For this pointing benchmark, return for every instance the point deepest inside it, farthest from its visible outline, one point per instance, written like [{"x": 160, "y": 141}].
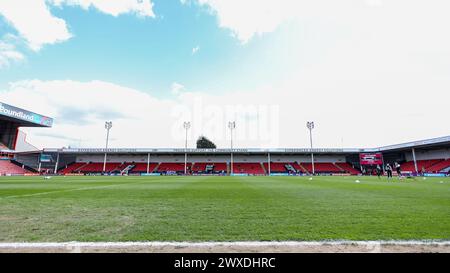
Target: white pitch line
[
  {"x": 215, "y": 244},
  {"x": 69, "y": 190}
]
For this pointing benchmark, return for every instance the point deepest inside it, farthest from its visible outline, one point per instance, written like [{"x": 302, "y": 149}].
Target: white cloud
[
  {"x": 81, "y": 108},
  {"x": 34, "y": 22},
  {"x": 114, "y": 7},
  {"x": 251, "y": 17},
  {"x": 177, "y": 88},
  {"x": 9, "y": 54},
  {"x": 369, "y": 73},
  {"x": 195, "y": 50},
  {"x": 267, "y": 117},
  {"x": 38, "y": 26}
]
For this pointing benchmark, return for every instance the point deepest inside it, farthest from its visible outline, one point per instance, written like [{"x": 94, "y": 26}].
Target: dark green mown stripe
[{"x": 222, "y": 209}]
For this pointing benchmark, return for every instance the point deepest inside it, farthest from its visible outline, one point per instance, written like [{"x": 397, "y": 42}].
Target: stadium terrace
[{"x": 426, "y": 157}]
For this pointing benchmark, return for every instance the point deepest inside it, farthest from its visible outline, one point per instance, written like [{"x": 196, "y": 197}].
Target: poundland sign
[{"x": 14, "y": 112}]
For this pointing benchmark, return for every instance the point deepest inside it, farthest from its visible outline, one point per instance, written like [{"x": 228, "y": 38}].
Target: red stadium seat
[
  {"x": 321, "y": 167},
  {"x": 248, "y": 168},
  {"x": 173, "y": 167},
  {"x": 6, "y": 167},
  {"x": 97, "y": 167},
  {"x": 421, "y": 164},
  {"x": 201, "y": 167},
  {"x": 439, "y": 166},
  {"x": 142, "y": 167},
  {"x": 71, "y": 168},
  {"x": 347, "y": 168},
  {"x": 278, "y": 167}
]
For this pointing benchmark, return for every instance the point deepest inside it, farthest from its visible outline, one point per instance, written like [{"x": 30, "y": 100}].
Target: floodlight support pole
[
  {"x": 186, "y": 126},
  {"x": 231, "y": 167},
  {"x": 310, "y": 126},
  {"x": 185, "y": 154},
  {"x": 39, "y": 167},
  {"x": 148, "y": 163},
  {"x": 108, "y": 126},
  {"x": 231, "y": 125},
  {"x": 415, "y": 161},
  {"x": 57, "y": 163},
  {"x": 312, "y": 152}
]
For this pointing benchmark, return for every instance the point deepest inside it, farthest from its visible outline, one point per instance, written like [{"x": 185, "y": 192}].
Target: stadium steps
[
  {"x": 7, "y": 167},
  {"x": 297, "y": 167},
  {"x": 303, "y": 168},
  {"x": 337, "y": 166},
  {"x": 21, "y": 165},
  {"x": 120, "y": 168},
  {"x": 81, "y": 167},
  {"x": 155, "y": 168},
  {"x": 127, "y": 169},
  {"x": 440, "y": 166},
  {"x": 421, "y": 164},
  {"x": 264, "y": 168},
  {"x": 290, "y": 168},
  {"x": 347, "y": 168}
]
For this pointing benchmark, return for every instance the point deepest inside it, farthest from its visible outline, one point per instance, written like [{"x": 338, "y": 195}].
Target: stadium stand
[
  {"x": 278, "y": 167},
  {"x": 299, "y": 168},
  {"x": 440, "y": 166},
  {"x": 9, "y": 168},
  {"x": 346, "y": 167},
  {"x": 421, "y": 164},
  {"x": 220, "y": 167},
  {"x": 321, "y": 167},
  {"x": 142, "y": 167},
  {"x": 210, "y": 167},
  {"x": 200, "y": 166},
  {"x": 95, "y": 167},
  {"x": 248, "y": 168},
  {"x": 254, "y": 168},
  {"x": 72, "y": 168},
  {"x": 172, "y": 167}
]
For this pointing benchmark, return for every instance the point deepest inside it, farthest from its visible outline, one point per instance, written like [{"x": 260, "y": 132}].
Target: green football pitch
[{"x": 63, "y": 209}]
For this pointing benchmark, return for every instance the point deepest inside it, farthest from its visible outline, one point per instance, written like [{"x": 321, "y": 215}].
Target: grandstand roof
[
  {"x": 23, "y": 118},
  {"x": 433, "y": 142},
  {"x": 429, "y": 143}
]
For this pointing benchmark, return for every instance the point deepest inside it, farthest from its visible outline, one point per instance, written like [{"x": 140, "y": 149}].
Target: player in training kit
[
  {"x": 389, "y": 170},
  {"x": 378, "y": 171},
  {"x": 398, "y": 169}
]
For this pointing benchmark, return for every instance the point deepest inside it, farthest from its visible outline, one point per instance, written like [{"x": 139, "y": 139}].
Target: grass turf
[{"x": 222, "y": 209}]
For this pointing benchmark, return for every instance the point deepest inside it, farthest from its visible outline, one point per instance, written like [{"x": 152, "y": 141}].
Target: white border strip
[{"x": 213, "y": 244}]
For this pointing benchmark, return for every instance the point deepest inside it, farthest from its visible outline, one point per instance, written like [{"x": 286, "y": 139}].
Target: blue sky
[
  {"x": 151, "y": 53},
  {"x": 270, "y": 65}
]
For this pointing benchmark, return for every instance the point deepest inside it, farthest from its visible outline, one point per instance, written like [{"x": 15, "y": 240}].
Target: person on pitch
[
  {"x": 379, "y": 171},
  {"x": 398, "y": 169},
  {"x": 389, "y": 170}
]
